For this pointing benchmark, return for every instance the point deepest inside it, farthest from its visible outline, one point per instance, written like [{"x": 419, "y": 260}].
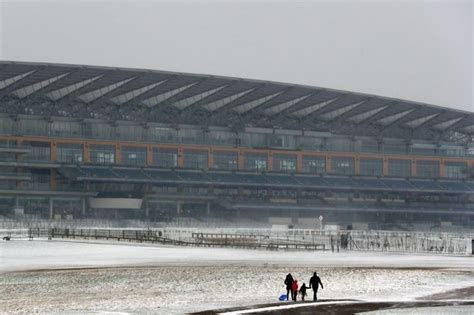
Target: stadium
[{"x": 81, "y": 142}]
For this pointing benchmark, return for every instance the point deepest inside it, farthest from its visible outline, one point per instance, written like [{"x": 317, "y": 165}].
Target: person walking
[
  {"x": 303, "y": 291},
  {"x": 289, "y": 285},
  {"x": 294, "y": 290},
  {"x": 314, "y": 283}
]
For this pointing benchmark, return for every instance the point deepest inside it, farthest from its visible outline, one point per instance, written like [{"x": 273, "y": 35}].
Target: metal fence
[{"x": 291, "y": 239}]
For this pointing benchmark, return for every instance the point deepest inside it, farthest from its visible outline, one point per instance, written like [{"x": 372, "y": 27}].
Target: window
[
  {"x": 371, "y": 167},
  {"x": 40, "y": 180},
  {"x": 399, "y": 168},
  {"x": 65, "y": 129},
  {"x": 162, "y": 134},
  {"x": 164, "y": 157},
  {"x": 129, "y": 132},
  {"x": 218, "y": 137},
  {"x": 314, "y": 164},
  {"x": 36, "y": 127},
  {"x": 225, "y": 160},
  {"x": 195, "y": 159},
  {"x": 340, "y": 144},
  {"x": 427, "y": 168},
  {"x": 69, "y": 152},
  {"x": 342, "y": 165},
  {"x": 133, "y": 156},
  {"x": 191, "y": 135},
  {"x": 255, "y": 161},
  {"x": 455, "y": 170},
  {"x": 284, "y": 163},
  {"x": 102, "y": 154},
  {"x": 39, "y": 151}
]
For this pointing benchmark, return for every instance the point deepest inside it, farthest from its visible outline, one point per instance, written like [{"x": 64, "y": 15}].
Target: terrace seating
[
  {"x": 130, "y": 173},
  {"x": 72, "y": 172},
  {"x": 454, "y": 186},
  {"x": 192, "y": 176},
  {"x": 310, "y": 180},
  {"x": 99, "y": 172},
  {"x": 161, "y": 175},
  {"x": 340, "y": 182},
  {"x": 223, "y": 177},
  {"x": 368, "y": 183},
  {"x": 256, "y": 179},
  {"x": 397, "y": 184},
  {"x": 469, "y": 185},
  {"x": 425, "y": 184},
  {"x": 109, "y": 173},
  {"x": 281, "y": 180}
]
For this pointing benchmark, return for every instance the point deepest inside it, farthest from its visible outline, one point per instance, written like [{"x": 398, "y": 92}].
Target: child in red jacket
[{"x": 294, "y": 290}]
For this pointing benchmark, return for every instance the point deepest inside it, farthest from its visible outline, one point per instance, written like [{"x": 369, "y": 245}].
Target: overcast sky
[{"x": 416, "y": 50}]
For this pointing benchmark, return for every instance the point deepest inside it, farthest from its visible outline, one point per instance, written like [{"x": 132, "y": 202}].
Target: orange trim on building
[{"x": 241, "y": 152}]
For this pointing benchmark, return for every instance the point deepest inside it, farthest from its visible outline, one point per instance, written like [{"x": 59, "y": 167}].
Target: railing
[{"x": 435, "y": 243}]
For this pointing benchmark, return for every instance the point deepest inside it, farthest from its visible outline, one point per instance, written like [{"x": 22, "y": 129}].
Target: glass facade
[
  {"x": 427, "y": 168},
  {"x": 371, "y": 167},
  {"x": 134, "y": 156},
  {"x": 261, "y": 138},
  {"x": 255, "y": 161},
  {"x": 102, "y": 154},
  {"x": 69, "y": 152},
  {"x": 314, "y": 164},
  {"x": 455, "y": 170},
  {"x": 342, "y": 165},
  {"x": 284, "y": 163},
  {"x": 164, "y": 157},
  {"x": 39, "y": 151},
  {"x": 399, "y": 168},
  {"x": 196, "y": 159},
  {"x": 225, "y": 160}
]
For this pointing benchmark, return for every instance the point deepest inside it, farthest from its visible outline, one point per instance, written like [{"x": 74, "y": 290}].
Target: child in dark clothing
[{"x": 303, "y": 291}]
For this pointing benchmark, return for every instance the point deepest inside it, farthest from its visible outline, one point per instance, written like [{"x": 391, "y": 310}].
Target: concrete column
[
  {"x": 86, "y": 153},
  {"x": 147, "y": 209},
  {"x": 208, "y": 208},
  {"x": 178, "y": 207},
  {"x": 441, "y": 168},
  {"x": 413, "y": 168},
  {"x": 210, "y": 158},
  {"x": 50, "y": 208},
  {"x": 118, "y": 154},
  {"x": 83, "y": 206},
  {"x": 180, "y": 156},
  {"x": 270, "y": 161}
]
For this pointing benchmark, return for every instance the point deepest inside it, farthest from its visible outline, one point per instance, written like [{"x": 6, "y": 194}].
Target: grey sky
[{"x": 416, "y": 50}]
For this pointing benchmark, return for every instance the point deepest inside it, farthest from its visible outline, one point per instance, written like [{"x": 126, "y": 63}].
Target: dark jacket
[
  {"x": 303, "y": 289},
  {"x": 314, "y": 283},
  {"x": 289, "y": 281}
]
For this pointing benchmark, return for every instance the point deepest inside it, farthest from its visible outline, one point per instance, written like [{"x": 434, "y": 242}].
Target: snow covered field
[{"x": 56, "y": 276}]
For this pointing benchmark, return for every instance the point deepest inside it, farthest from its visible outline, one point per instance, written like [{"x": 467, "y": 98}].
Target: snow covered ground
[{"x": 57, "y": 276}]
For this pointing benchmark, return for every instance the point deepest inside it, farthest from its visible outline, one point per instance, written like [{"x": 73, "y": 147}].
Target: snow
[{"x": 55, "y": 276}]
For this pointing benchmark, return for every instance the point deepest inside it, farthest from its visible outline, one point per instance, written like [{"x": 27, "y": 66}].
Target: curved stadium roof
[{"x": 115, "y": 94}]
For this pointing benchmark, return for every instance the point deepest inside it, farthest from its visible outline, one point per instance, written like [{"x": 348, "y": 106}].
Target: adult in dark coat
[
  {"x": 289, "y": 285},
  {"x": 314, "y": 283}
]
